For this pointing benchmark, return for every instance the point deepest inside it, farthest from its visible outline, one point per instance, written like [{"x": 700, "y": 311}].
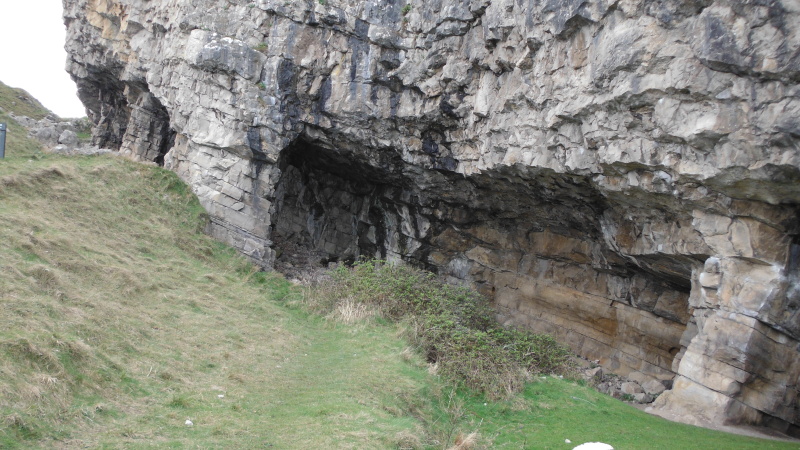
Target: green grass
[
  {"x": 551, "y": 410},
  {"x": 120, "y": 320}
]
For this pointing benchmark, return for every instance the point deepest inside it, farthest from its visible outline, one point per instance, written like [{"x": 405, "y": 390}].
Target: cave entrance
[
  {"x": 334, "y": 204},
  {"x": 528, "y": 243}
]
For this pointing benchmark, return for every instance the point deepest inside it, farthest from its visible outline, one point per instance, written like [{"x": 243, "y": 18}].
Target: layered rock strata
[{"x": 622, "y": 174}]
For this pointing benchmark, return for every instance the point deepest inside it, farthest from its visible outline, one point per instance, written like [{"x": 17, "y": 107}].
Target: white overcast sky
[{"x": 32, "y": 54}]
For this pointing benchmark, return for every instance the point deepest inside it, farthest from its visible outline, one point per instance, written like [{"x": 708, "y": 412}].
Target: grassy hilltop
[{"x": 122, "y": 325}]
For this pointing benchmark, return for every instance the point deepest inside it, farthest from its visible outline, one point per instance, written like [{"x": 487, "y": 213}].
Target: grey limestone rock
[
  {"x": 641, "y": 397},
  {"x": 653, "y": 387},
  {"x": 624, "y": 175},
  {"x": 50, "y": 131},
  {"x": 68, "y": 138},
  {"x": 631, "y": 388}
]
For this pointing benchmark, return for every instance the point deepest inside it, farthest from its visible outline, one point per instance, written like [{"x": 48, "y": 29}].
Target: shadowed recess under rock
[{"x": 533, "y": 244}]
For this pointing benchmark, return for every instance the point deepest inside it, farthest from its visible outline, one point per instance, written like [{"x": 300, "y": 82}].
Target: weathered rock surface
[
  {"x": 54, "y": 132},
  {"x": 653, "y": 387},
  {"x": 51, "y": 130},
  {"x": 623, "y": 174}
]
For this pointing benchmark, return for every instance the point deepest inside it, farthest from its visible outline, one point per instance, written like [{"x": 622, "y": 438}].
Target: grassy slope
[{"x": 119, "y": 321}]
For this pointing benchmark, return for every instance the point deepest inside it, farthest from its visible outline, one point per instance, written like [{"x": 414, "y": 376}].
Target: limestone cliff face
[{"x": 623, "y": 174}]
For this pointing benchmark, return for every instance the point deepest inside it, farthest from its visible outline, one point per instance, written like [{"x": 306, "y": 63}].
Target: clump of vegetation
[
  {"x": 453, "y": 327},
  {"x": 83, "y": 128},
  {"x": 406, "y": 9},
  {"x": 261, "y": 47}
]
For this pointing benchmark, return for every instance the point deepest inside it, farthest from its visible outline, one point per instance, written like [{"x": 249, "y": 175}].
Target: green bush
[{"x": 454, "y": 327}]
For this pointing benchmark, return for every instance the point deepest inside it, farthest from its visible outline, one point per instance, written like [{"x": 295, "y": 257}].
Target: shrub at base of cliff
[{"x": 452, "y": 326}]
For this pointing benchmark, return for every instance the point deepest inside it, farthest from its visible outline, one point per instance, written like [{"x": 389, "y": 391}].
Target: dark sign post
[{"x": 2, "y": 140}]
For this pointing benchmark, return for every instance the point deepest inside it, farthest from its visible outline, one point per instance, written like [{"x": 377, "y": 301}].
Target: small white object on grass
[
  {"x": 188, "y": 423},
  {"x": 594, "y": 446},
  {"x": 221, "y": 396},
  {"x": 567, "y": 441}
]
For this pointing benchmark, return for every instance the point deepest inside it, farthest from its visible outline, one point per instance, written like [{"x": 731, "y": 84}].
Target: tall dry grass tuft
[
  {"x": 31, "y": 179},
  {"x": 465, "y": 442},
  {"x": 408, "y": 440},
  {"x": 46, "y": 278},
  {"x": 350, "y": 311}
]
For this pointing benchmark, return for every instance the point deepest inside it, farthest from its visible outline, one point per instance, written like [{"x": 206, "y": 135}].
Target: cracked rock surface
[{"x": 622, "y": 174}]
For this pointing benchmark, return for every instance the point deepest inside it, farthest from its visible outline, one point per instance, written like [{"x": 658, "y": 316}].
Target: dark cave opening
[
  {"x": 127, "y": 117},
  {"x": 342, "y": 204},
  {"x": 167, "y": 142},
  {"x": 337, "y": 204},
  {"x": 161, "y": 134}
]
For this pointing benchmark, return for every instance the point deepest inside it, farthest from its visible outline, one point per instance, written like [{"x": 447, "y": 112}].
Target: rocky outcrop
[
  {"x": 52, "y": 131},
  {"x": 623, "y": 174}
]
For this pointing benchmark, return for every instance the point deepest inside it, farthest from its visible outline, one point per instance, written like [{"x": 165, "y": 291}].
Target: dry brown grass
[
  {"x": 350, "y": 311},
  {"x": 465, "y": 442},
  {"x": 409, "y": 440}
]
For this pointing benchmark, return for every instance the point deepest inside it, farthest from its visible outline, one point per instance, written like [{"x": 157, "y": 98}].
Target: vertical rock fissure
[
  {"x": 167, "y": 142},
  {"x": 161, "y": 135}
]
